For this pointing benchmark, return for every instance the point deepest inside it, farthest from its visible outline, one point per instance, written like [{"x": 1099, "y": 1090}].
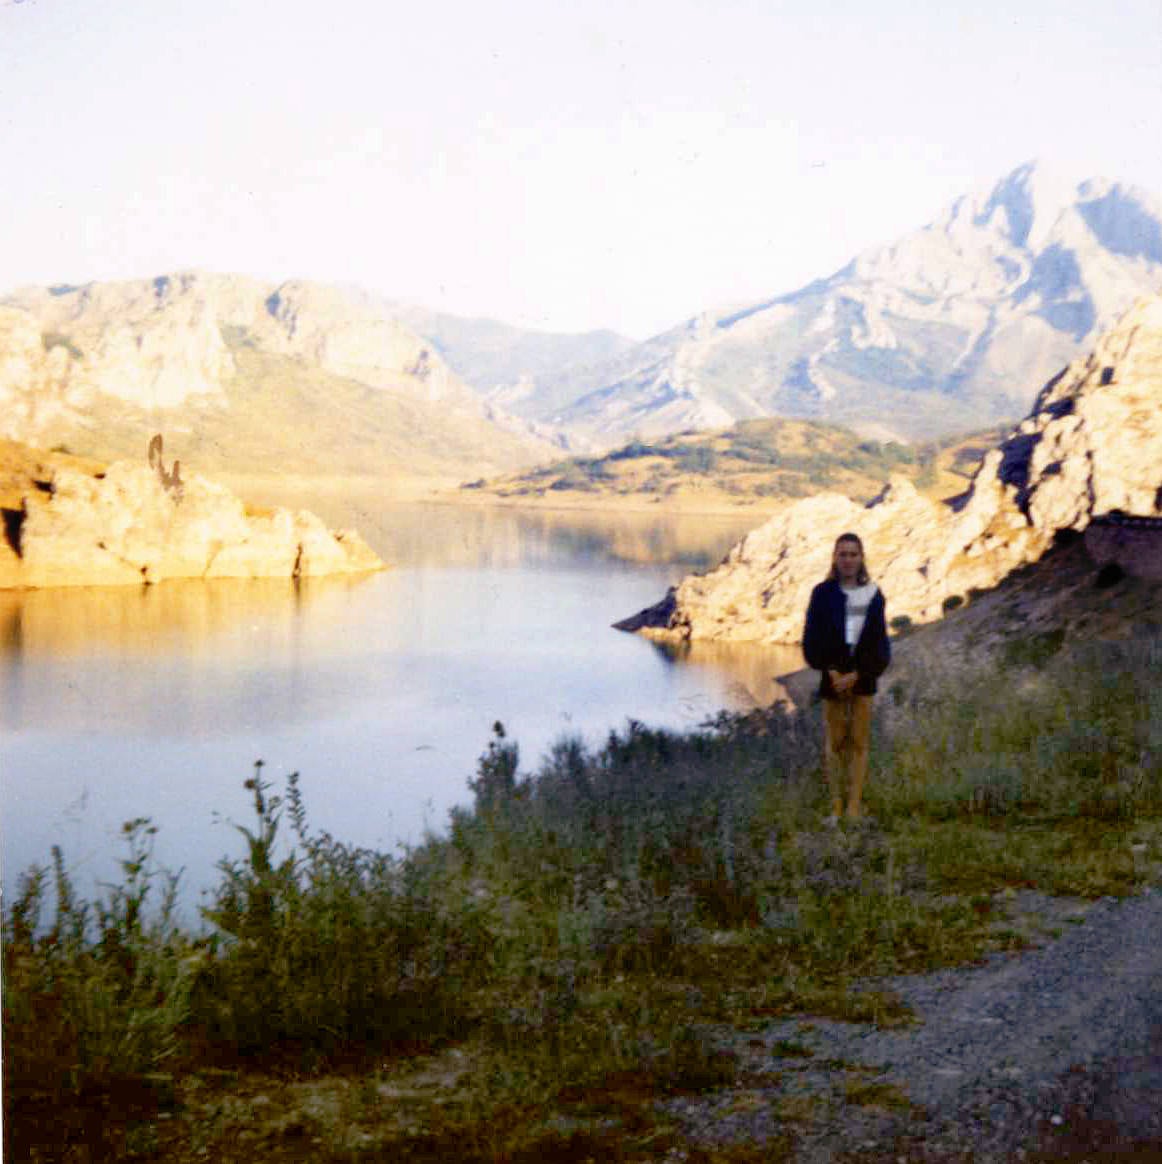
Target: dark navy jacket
[{"x": 825, "y": 640}]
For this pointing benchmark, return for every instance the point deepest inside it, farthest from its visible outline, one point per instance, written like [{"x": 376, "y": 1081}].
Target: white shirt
[{"x": 858, "y": 600}]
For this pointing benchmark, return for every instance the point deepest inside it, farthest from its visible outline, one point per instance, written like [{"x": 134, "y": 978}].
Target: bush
[
  {"x": 331, "y": 945},
  {"x": 696, "y": 459},
  {"x": 100, "y": 994}
]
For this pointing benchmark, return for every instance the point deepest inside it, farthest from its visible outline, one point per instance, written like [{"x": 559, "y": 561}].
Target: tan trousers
[{"x": 847, "y": 730}]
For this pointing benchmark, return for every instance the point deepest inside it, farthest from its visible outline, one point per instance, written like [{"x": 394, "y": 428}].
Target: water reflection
[
  {"x": 754, "y": 670},
  {"x": 191, "y": 615},
  {"x": 176, "y": 657},
  {"x": 401, "y": 532},
  {"x": 118, "y": 702}
]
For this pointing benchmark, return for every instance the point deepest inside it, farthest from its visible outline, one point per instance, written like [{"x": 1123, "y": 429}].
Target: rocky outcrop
[
  {"x": 1092, "y": 445},
  {"x": 1131, "y": 544},
  {"x": 129, "y": 525},
  {"x": 255, "y": 375}
]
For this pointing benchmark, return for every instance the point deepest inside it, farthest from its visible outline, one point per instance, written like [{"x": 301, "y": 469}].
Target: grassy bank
[
  {"x": 762, "y": 463},
  {"x": 526, "y": 985}
]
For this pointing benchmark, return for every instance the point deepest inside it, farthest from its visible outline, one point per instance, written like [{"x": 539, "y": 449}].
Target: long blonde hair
[{"x": 863, "y": 577}]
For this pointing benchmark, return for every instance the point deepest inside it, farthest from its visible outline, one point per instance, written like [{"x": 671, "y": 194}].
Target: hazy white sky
[{"x": 613, "y": 163}]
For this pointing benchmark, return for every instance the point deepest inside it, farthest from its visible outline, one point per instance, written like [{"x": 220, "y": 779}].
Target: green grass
[{"x": 584, "y": 938}]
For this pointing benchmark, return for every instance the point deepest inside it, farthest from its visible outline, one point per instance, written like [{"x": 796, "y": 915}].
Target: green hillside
[{"x": 754, "y": 461}]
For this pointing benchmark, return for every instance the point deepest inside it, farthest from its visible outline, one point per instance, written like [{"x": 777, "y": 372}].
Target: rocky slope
[
  {"x": 67, "y": 523},
  {"x": 944, "y": 330},
  {"x": 1091, "y": 445},
  {"x": 528, "y": 373},
  {"x": 253, "y": 376}
]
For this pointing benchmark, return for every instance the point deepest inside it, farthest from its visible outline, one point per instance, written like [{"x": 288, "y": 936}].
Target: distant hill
[
  {"x": 526, "y": 372},
  {"x": 753, "y": 461},
  {"x": 948, "y": 329},
  {"x": 245, "y": 377}
]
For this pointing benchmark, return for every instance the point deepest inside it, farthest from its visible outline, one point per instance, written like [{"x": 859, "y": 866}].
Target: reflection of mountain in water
[
  {"x": 754, "y": 669},
  {"x": 179, "y": 656},
  {"x": 419, "y": 534},
  {"x": 193, "y": 616}
]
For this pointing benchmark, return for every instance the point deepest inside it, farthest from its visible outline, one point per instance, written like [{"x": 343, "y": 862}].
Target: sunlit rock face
[
  {"x": 256, "y": 376},
  {"x": 1091, "y": 445},
  {"x": 951, "y": 327},
  {"x": 127, "y": 526}
]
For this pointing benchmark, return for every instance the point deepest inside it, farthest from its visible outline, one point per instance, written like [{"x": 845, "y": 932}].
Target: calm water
[{"x": 381, "y": 691}]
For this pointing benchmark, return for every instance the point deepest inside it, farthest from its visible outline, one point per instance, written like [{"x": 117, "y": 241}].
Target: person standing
[{"x": 846, "y": 638}]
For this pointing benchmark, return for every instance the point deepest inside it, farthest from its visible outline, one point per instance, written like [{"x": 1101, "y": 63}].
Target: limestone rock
[
  {"x": 242, "y": 367},
  {"x": 1092, "y": 445},
  {"x": 125, "y": 527}
]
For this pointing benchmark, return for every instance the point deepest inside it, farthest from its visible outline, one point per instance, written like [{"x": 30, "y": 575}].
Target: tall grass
[
  {"x": 100, "y": 991},
  {"x": 589, "y": 921}
]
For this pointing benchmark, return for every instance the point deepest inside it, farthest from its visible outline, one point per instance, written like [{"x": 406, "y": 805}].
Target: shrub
[
  {"x": 696, "y": 459},
  {"x": 1033, "y": 650},
  {"x": 100, "y": 993},
  {"x": 331, "y": 945},
  {"x": 56, "y": 339}
]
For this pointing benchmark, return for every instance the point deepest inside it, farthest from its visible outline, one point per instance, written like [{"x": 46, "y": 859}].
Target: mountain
[
  {"x": 243, "y": 376},
  {"x": 945, "y": 330},
  {"x": 526, "y": 372},
  {"x": 1090, "y": 447}
]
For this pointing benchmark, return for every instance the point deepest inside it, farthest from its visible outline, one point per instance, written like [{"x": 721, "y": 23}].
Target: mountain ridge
[
  {"x": 939, "y": 331},
  {"x": 254, "y": 374}
]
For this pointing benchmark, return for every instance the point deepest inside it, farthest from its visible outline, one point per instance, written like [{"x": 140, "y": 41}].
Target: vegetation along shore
[{"x": 533, "y": 983}]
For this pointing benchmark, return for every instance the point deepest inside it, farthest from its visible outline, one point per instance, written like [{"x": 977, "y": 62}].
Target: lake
[{"x": 381, "y": 691}]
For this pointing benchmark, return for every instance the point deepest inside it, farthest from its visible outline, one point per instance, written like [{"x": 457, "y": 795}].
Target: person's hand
[{"x": 842, "y": 683}]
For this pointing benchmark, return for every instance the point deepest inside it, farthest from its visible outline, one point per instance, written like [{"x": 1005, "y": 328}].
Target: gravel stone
[{"x": 1051, "y": 1050}]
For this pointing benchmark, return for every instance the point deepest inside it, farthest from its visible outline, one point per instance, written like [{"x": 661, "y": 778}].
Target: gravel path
[{"x": 1052, "y": 1050}]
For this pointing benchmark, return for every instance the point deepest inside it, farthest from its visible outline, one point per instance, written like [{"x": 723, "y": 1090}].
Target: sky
[{"x": 618, "y": 164}]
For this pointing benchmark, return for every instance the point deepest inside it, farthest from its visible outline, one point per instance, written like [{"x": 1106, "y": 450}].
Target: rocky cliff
[
  {"x": 135, "y": 523},
  {"x": 258, "y": 377},
  {"x": 1091, "y": 445},
  {"x": 949, "y": 328}
]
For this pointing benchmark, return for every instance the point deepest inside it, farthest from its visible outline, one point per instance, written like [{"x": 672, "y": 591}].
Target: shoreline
[{"x": 440, "y": 491}]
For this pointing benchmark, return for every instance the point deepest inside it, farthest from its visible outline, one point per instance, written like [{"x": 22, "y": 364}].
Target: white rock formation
[
  {"x": 1092, "y": 445},
  {"x": 126, "y": 527}
]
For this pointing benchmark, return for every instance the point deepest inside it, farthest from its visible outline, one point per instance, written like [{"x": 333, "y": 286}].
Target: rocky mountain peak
[
  {"x": 946, "y": 329},
  {"x": 1123, "y": 219},
  {"x": 1025, "y": 204}
]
